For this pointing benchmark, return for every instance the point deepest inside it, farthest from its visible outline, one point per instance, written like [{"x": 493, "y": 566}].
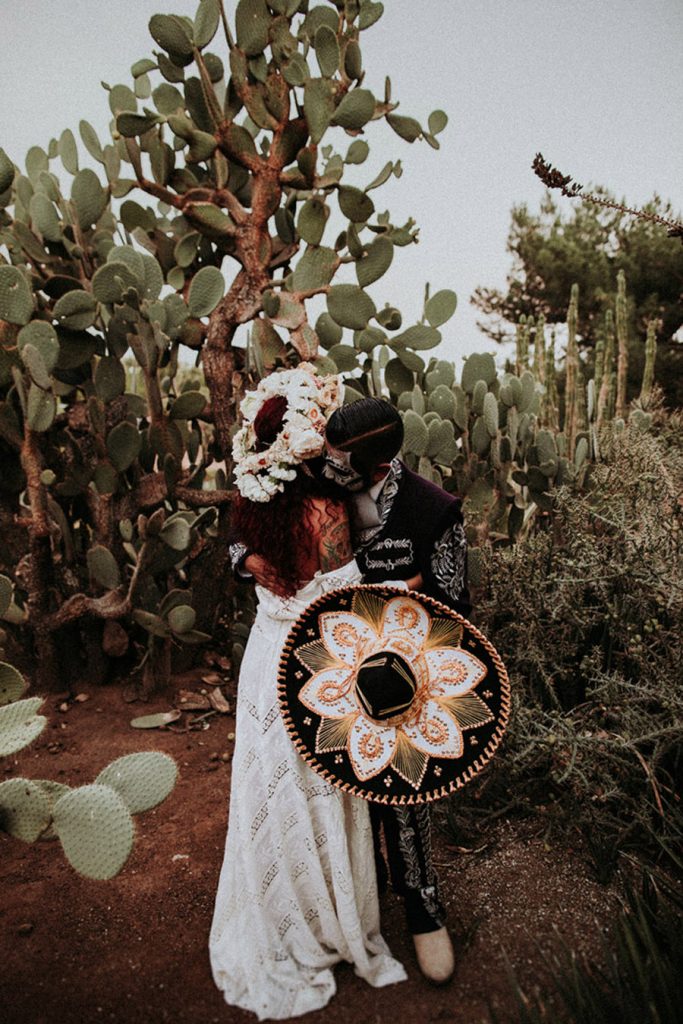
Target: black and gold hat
[{"x": 392, "y": 695}]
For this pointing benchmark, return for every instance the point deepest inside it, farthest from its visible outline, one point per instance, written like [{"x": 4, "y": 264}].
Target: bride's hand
[{"x": 264, "y": 574}]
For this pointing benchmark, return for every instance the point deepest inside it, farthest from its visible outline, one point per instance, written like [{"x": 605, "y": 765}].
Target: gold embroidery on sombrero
[
  {"x": 454, "y": 673},
  {"x": 444, "y": 633},
  {"x": 370, "y": 607},
  {"x": 333, "y": 733},
  {"x": 434, "y": 731},
  {"x": 443, "y": 668},
  {"x": 329, "y": 693},
  {"x": 315, "y": 656},
  {"x": 366, "y": 768},
  {"x": 468, "y": 709},
  {"x": 408, "y": 762},
  {"x": 370, "y": 746},
  {"x": 407, "y": 618},
  {"x": 404, "y": 609},
  {"x": 346, "y": 636}
]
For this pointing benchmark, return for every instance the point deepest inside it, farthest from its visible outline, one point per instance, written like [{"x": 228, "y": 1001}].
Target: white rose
[
  {"x": 250, "y": 404},
  {"x": 306, "y": 444}
]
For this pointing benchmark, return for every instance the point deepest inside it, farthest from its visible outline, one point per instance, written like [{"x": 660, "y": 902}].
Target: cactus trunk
[{"x": 40, "y": 584}]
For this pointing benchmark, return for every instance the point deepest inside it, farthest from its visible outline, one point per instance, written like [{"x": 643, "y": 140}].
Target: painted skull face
[{"x": 338, "y": 468}]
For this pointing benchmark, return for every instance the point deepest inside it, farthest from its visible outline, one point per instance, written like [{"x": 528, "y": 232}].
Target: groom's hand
[{"x": 264, "y": 574}]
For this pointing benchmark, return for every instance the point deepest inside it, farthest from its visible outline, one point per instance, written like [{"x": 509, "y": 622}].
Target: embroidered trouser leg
[{"x": 408, "y": 838}]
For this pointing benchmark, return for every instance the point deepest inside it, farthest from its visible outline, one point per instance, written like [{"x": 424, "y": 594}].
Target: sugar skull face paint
[{"x": 338, "y": 467}]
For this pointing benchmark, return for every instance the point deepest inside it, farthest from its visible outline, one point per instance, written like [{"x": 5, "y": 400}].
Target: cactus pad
[
  {"x": 397, "y": 377},
  {"x": 76, "y": 310},
  {"x": 481, "y": 439},
  {"x": 24, "y": 809},
  {"x": 350, "y": 306},
  {"x": 111, "y": 280},
  {"x": 141, "y": 780},
  {"x": 41, "y": 409},
  {"x": 206, "y": 291},
  {"x": 478, "y": 395},
  {"x": 12, "y": 683},
  {"x": 442, "y": 373},
  {"x": 478, "y": 366},
  {"x": 441, "y": 307},
  {"x": 16, "y": 301},
  {"x": 20, "y": 723},
  {"x": 416, "y": 434},
  {"x": 5, "y": 599},
  {"x": 182, "y": 618},
  {"x": 103, "y": 567},
  {"x": 490, "y": 412},
  {"x": 375, "y": 261},
  {"x": 442, "y": 400},
  {"x": 95, "y": 829},
  {"x": 355, "y": 110},
  {"x": 176, "y": 533}
]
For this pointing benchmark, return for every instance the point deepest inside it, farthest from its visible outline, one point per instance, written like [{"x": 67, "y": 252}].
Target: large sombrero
[{"x": 391, "y": 695}]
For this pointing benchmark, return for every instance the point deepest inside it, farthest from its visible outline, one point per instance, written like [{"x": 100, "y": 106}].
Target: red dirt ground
[{"x": 133, "y": 950}]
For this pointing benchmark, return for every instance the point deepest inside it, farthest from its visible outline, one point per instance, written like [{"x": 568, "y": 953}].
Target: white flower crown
[{"x": 310, "y": 401}]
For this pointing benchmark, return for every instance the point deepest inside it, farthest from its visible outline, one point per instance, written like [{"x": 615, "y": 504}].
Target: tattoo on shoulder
[{"x": 335, "y": 544}]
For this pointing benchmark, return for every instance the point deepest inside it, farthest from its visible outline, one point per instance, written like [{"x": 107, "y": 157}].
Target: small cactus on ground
[{"x": 94, "y": 822}]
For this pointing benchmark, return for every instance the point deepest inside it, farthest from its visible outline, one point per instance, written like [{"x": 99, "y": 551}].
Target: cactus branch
[
  {"x": 208, "y": 91},
  {"x": 111, "y": 605},
  {"x": 554, "y": 179},
  {"x": 226, "y": 27}
]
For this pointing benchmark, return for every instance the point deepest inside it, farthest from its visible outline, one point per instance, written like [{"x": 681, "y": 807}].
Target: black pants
[{"x": 408, "y": 840}]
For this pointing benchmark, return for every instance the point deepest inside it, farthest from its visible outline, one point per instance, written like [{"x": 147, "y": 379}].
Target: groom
[{"x": 405, "y": 528}]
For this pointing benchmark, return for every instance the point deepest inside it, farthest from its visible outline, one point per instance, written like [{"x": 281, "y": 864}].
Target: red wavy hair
[{"x": 278, "y": 530}]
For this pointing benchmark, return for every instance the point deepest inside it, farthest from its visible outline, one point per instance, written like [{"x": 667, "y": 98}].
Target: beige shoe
[{"x": 435, "y": 958}]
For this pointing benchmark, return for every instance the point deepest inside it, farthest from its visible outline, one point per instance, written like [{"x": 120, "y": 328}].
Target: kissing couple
[{"x": 324, "y": 502}]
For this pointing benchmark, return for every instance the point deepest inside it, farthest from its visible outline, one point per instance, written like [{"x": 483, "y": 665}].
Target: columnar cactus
[
  {"x": 649, "y": 370},
  {"x": 622, "y": 343},
  {"x": 608, "y": 376},
  {"x": 571, "y": 368}
]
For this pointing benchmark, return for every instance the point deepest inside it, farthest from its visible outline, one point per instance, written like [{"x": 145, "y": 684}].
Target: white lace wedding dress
[{"x": 297, "y": 891}]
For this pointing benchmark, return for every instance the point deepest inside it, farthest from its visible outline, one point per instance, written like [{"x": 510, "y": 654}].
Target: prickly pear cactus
[
  {"x": 141, "y": 780},
  {"x": 93, "y": 823},
  {"x": 95, "y": 829},
  {"x": 208, "y": 206}
]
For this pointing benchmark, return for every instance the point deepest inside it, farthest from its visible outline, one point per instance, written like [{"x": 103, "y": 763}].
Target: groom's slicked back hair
[{"x": 370, "y": 429}]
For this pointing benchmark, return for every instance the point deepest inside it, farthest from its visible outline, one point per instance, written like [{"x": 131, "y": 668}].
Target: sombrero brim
[{"x": 456, "y": 726}]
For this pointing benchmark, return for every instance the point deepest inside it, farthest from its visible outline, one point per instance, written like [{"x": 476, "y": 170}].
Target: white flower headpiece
[{"x": 310, "y": 401}]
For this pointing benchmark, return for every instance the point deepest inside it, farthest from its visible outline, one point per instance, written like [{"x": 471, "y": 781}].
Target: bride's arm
[
  {"x": 334, "y": 535},
  {"x": 264, "y": 574}
]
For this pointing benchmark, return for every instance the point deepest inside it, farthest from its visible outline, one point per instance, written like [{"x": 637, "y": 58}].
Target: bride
[{"x": 297, "y": 891}]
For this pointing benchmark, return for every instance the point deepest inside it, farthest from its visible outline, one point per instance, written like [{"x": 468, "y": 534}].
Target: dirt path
[{"x": 134, "y": 950}]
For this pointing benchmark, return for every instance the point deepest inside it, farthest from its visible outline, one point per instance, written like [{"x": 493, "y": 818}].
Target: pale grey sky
[{"x": 595, "y": 86}]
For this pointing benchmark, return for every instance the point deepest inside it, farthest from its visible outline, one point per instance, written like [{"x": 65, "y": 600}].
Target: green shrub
[{"x": 588, "y": 616}]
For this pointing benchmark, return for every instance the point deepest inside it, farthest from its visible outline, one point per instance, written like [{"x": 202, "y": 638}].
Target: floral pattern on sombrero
[{"x": 444, "y": 704}]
